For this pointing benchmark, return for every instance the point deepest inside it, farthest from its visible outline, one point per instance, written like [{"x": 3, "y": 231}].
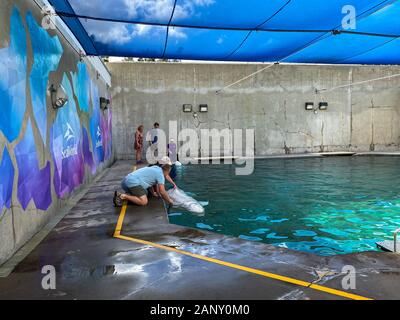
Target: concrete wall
[
  {"x": 46, "y": 155},
  {"x": 361, "y": 118}
]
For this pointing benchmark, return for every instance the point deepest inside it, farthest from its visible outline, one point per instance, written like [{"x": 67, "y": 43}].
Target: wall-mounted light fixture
[
  {"x": 187, "y": 108},
  {"x": 323, "y": 106},
  {"x": 58, "y": 96},
  {"x": 203, "y": 108},
  {"x": 309, "y": 106},
  {"x": 104, "y": 103}
]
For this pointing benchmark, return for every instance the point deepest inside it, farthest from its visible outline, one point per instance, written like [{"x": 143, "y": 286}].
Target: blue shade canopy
[{"x": 301, "y": 31}]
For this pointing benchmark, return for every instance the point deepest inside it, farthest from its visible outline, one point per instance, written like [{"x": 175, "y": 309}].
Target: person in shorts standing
[{"x": 139, "y": 144}]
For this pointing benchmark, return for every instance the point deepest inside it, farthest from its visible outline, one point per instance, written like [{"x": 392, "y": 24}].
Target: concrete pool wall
[
  {"x": 46, "y": 155},
  {"x": 360, "y": 119}
]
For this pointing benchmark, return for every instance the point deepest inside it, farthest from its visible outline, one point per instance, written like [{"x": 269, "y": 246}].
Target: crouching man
[{"x": 138, "y": 182}]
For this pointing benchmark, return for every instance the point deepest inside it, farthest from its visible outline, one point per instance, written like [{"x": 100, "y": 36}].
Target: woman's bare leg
[
  {"x": 140, "y": 201},
  {"x": 139, "y": 155}
]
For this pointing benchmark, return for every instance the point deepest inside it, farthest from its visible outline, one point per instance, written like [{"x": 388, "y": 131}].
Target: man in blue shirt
[
  {"x": 136, "y": 184},
  {"x": 152, "y": 135}
]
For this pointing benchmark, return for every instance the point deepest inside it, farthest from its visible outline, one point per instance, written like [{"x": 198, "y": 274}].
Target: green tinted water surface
[{"x": 324, "y": 206}]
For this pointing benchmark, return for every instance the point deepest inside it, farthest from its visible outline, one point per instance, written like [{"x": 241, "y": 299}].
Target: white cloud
[
  {"x": 177, "y": 34},
  {"x": 120, "y": 33},
  {"x": 162, "y": 9},
  {"x": 141, "y": 30},
  {"x": 203, "y": 2},
  {"x": 108, "y": 33},
  {"x": 149, "y": 9},
  {"x": 188, "y": 9},
  {"x": 143, "y": 10}
]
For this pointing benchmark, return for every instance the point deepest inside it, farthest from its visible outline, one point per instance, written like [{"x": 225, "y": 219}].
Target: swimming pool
[{"x": 326, "y": 206}]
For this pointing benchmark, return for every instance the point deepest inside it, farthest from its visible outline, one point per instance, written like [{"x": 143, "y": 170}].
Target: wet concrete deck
[{"x": 92, "y": 264}]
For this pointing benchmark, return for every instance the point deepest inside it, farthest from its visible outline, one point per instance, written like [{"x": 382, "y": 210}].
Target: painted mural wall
[{"x": 46, "y": 155}]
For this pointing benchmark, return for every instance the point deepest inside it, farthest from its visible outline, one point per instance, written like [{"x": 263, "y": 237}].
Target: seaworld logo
[
  {"x": 69, "y": 134},
  {"x": 99, "y": 142},
  {"x": 70, "y": 147}
]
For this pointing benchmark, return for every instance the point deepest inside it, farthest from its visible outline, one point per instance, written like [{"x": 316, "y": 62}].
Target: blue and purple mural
[
  {"x": 74, "y": 142},
  {"x": 95, "y": 126},
  {"x": 87, "y": 153},
  {"x": 13, "y": 79},
  {"x": 66, "y": 146},
  {"x": 47, "y": 52},
  {"x": 44, "y": 153},
  {"x": 33, "y": 182},
  {"x": 81, "y": 81},
  {"x": 6, "y": 180}
]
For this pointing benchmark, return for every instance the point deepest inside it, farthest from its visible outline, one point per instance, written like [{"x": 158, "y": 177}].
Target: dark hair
[
  {"x": 166, "y": 167},
  {"x": 156, "y": 124}
]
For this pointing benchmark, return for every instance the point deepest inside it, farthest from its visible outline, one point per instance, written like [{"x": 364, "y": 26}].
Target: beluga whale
[{"x": 184, "y": 201}]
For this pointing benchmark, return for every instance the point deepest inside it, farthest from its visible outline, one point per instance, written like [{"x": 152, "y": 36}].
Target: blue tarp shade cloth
[{"x": 297, "y": 31}]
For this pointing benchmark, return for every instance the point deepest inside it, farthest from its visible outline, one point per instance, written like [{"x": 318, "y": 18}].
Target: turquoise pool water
[{"x": 326, "y": 206}]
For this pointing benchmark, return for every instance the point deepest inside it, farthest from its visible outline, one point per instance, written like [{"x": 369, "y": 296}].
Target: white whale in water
[{"x": 182, "y": 200}]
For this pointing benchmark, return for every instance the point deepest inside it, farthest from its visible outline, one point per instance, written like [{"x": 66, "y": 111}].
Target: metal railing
[{"x": 395, "y": 233}]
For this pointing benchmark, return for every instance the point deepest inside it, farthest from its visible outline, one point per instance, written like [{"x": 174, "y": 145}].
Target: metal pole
[{"x": 395, "y": 240}]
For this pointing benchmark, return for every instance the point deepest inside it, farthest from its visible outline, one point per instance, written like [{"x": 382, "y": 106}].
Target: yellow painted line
[
  {"x": 306, "y": 284},
  {"x": 120, "y": 221},
  {"x": 338, "y": 292},
  {"x": 121, "y": 217},
  {"x": 220, "y": 262},
  {"x": 248, "y": 269}
]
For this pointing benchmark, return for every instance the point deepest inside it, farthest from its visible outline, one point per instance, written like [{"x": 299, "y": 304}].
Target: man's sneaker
[{"x": 117, "y": 199}]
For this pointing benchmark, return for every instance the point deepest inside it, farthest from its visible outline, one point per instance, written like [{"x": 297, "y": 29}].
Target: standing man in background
[
  {"x": 152, "y": 135},
  {"x": 152, "y": 139}
]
